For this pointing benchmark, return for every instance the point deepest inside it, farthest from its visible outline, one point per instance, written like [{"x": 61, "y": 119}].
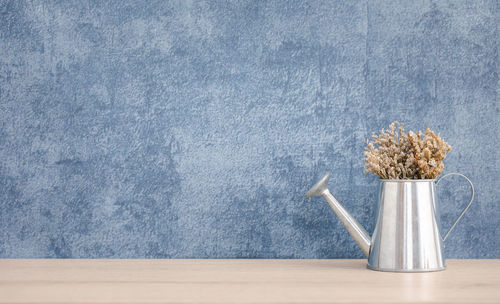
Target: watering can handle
[{"x": 466, "y": 208}]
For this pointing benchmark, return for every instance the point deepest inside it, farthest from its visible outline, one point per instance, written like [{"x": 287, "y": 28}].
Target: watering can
[{"x": 406, "y": 237}]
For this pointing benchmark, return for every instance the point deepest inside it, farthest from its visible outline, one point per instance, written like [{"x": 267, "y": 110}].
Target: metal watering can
[{"x": 406, "y": 237}]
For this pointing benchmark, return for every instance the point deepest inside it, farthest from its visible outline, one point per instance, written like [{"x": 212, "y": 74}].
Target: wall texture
[{"x": 193, "y": 129}]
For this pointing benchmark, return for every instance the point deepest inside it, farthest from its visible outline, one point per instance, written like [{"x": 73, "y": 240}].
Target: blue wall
[{"x": 194, "y": 129}]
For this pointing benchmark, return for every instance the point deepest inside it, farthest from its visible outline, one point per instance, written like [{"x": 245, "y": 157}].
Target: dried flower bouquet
[{"x": 396, "y": 155}]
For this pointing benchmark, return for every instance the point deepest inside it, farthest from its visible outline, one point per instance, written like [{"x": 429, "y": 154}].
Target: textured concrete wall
[{"x": 193, "y": 129}]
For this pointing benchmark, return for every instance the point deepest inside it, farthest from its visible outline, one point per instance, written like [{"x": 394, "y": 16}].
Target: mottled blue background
[{"x": 193, "y": 129}]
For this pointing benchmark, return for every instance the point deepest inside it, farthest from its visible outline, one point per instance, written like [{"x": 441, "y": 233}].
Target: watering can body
[{"x": 406, "y": 237}]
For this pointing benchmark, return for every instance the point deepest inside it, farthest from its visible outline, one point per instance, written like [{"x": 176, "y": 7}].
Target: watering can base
[{"x": 405, "y": 270}]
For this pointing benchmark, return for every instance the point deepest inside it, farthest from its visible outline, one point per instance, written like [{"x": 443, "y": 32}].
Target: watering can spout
[{"x": 357, "y": 232}]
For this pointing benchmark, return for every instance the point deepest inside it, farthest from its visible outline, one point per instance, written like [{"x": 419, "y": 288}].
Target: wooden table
[{"x": 242, "y": 281}]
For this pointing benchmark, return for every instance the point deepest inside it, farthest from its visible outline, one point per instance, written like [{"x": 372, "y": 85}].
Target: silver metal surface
[
  {"x": 406, "y": 237},
  {"x": 357, "y": 232},
  {"x": 465, "y": 209}
]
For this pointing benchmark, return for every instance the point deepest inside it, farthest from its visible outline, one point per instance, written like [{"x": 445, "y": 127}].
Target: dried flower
[{"x": 396, "y": 155}]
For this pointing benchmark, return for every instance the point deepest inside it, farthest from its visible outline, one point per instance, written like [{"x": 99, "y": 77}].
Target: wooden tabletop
[{"x": 242, "y": 281}]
